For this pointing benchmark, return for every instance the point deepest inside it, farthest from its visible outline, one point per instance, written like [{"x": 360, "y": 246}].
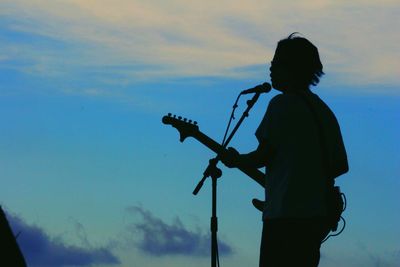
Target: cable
[
  {"x": 232, "y": 117},
  {"x": 344, "y": 201},
  {"x": 341, "y": 218},
  {"x": 338, "y": 233},
  {"x": 217, "y": 256}
]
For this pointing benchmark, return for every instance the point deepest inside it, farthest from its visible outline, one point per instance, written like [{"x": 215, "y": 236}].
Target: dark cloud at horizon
[
  {"x": 39, "y": 249},
  {"x": 161, "y": 239}
]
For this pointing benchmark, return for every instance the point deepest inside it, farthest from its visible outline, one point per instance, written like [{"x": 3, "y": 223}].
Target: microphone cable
[{"x": 232, "y": 117}]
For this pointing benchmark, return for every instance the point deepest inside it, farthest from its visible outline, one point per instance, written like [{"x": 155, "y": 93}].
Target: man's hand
[{"x": 230, "y": 157}]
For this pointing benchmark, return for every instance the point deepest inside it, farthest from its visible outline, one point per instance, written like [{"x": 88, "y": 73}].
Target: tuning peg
[
  {"x": 179, "y": 118},
  {"x": 195, "y": 122},
  {"x": 190, "y": 121},
  {"x": 174, "y": 116},
  {"x": 169, "y": 114},
  {"x": 184, "y": 119}
]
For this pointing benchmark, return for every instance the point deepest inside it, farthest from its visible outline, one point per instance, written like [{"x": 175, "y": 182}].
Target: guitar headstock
[{"x": 185, "y": 127}]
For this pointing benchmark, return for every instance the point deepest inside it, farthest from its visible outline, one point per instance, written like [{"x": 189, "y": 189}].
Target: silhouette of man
[{"x": 295, "y": 213}]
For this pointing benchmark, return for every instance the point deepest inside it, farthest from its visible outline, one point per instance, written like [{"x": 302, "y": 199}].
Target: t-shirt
[{"x": 295, "y": 177}]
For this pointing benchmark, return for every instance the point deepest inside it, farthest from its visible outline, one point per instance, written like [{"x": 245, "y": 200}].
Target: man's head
[{"x": 296, "y": 64}]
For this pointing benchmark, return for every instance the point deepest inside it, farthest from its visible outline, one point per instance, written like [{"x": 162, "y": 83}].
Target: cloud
[
  {"x": 143, "y": 40},
  {"x": 376, "y": 257},
  {"x": 161, "y": 239},
  {"x": 39, "y": 249}
]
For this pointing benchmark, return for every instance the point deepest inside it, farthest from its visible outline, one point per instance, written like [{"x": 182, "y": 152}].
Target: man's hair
[{"x": 301, "y": 58}]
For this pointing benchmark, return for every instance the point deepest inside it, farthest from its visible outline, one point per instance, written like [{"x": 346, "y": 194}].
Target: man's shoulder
[
  {"x": 280, "y": 100},
  {"x": 285, "y": 103},
  {"x": 280, "y": 97},
  {"x": 285, "y": 99}
]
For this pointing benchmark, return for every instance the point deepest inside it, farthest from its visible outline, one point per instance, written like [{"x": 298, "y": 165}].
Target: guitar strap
[
  {"x": 334, "y": 200},
  {"x": 321, "y": 138}
]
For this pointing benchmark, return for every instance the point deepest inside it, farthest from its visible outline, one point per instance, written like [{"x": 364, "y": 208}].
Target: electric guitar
[{"x": 189, "y": 128}]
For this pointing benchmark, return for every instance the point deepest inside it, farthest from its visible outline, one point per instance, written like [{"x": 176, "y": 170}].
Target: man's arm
[{"x": 256, "y": 159}]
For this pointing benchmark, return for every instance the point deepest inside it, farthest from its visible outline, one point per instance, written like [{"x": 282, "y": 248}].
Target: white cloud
[{"x": 357, "y": 40}]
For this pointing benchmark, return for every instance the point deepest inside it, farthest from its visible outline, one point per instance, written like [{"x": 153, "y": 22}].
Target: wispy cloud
[
  {"x": 377, "y": 258},
  {"x": 206, "y": 38},
  {"x": 159, "y": 238},
  {"x": 40, "y": 249}
]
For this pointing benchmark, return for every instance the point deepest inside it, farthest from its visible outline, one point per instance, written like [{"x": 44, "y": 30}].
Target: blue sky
[{"x": 86, "y": 162}]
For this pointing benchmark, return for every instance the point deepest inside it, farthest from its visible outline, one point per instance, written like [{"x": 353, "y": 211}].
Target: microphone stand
[{"x": 214, "y": 172}]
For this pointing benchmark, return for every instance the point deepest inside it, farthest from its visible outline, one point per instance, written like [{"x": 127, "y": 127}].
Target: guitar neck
[{"x": 254, "y": 173}]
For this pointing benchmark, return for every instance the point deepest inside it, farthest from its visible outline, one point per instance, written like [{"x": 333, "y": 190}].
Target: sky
[{"x": 91, "y": 177}]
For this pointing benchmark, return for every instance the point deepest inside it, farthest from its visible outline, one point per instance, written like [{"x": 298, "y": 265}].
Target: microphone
[{"x": 262, "y": 88}]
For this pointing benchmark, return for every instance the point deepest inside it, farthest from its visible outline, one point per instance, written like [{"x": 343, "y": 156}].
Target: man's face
[{"x": 279, "y": 75}]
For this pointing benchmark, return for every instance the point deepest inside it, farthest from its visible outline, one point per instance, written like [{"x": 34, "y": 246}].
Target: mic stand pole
[
  {"x": 214, "y": 172},
  {"x": 250, "y": 104}
]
